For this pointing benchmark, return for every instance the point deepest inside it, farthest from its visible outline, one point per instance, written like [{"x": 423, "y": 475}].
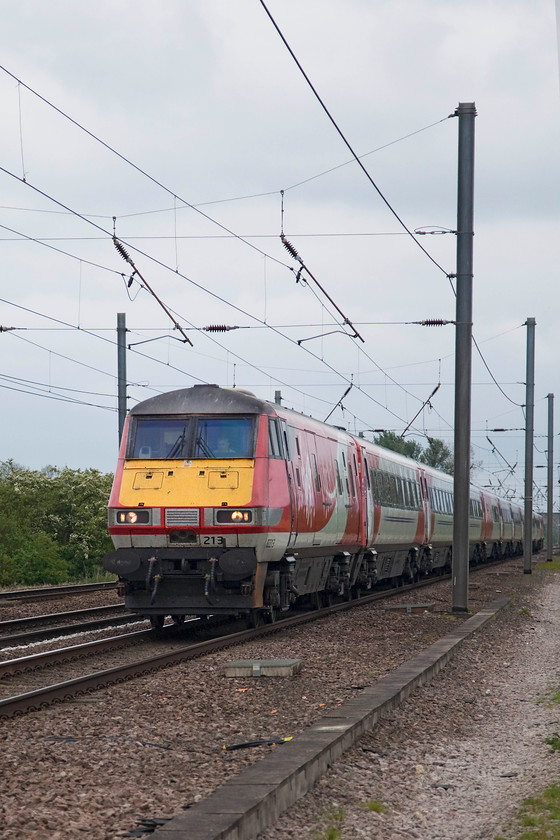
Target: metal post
[
  {"x": 529, "y": 432},
  {"x": 549, "y": 484},
  {"x": 121, "y": 370},
  {"x": 463, "y": 357}
]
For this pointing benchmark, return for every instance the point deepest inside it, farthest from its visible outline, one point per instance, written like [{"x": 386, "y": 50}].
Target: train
[{"x": 227, "y": 504}]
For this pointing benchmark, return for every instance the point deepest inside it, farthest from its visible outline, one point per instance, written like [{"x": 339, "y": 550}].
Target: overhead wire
[
  {"x": 131, "y": 164},
  {"x": 101, "y": 338},
  {"x": 363, "y": 168},
  {"x": 172, "y": 193},
  {"x": 263, "y": 194},
  {"x": 187, "y": 204},
  {"x": 199, "y": 286},
  {"x": 19, "y": 380},
  {"x": 158, "y": 183},
  {"x": 347, "y": 143}
]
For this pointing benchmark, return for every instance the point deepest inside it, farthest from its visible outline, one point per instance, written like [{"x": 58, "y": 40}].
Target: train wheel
[
  {"x": 178, "y": 619},
  {"x": 157, "y": 621},
  {"x": 255, "y": 619},
  {"x": 270, "y": 615}
]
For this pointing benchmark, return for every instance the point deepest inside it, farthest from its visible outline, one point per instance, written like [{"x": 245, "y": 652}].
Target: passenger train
[{"x": 224, "y": 503}]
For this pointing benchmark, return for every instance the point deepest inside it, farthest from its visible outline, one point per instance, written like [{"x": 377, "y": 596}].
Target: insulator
[
  {"x": 121, "y": 249},
  {"x": 434, "y": 322},
  {"x": 219, "y": 328},
  {"x": 290, "y": 248}
]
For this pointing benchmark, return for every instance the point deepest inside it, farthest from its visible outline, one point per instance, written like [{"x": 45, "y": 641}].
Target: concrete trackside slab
[{"x": 246, "y": 805}]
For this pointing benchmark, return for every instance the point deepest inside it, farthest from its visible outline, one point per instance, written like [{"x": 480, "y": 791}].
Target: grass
[
  {"x": 553, "y": 698},
  {"x": 553, "y": 742},
  {"x": 539, "y": 816},
  {"x": 333, "y": 818},
  {"x": 376, "y": 806},
  {"x": 549, "y": 565}
]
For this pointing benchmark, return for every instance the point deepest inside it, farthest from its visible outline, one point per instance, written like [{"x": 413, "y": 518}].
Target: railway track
[
  {"x": 22, "y": 631},
  {"x": 43, "y": 696},
  {"x": 52, "y": 592}
]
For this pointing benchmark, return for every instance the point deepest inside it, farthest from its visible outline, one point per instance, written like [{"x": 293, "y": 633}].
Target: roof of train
[{"x": 204, "y": 399}]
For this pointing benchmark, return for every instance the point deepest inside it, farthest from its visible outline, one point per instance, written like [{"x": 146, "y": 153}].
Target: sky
[{"x": 188, "y": 130}]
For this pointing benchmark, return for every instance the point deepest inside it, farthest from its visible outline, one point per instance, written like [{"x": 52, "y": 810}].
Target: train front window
[
  {"x": 223, "y": 437},
  {"x": 161, "y": 438},
  {"x": 157, "y": 438}
]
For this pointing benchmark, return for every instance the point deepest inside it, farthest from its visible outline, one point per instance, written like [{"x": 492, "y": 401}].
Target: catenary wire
[
  {"x": 188, "y": 204},
  {"x": 355, "y": 158},
  {"x": 199, "y": 286},
  {"x": 347, "y": 143}
]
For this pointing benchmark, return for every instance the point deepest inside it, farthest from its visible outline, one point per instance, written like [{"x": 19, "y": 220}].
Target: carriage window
[
  {"x": 408, "y": 500},
  {"x": 367, "y": 474},
  {"x": 274, "y": 440},
  {"x": 476, "y": 509},
  {"x": 338, "y": 479},
  {"x": 352, "y": 489},
  {"x": 316, "y": 473},
  {"x": 373, "y": 474}
]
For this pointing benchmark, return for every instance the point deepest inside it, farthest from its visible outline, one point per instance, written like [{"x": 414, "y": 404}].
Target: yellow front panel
[
  {"x": 148, "y": 480},
  {"x": 187, "y": 483}
]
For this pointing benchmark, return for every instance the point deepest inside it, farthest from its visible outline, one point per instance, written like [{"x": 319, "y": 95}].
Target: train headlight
[
  {"x": 227, "y": 516},
  {"x": 132, "y": 517}
]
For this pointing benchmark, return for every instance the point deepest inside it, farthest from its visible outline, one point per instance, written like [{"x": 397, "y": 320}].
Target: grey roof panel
[{"x": 204, "y": 399}]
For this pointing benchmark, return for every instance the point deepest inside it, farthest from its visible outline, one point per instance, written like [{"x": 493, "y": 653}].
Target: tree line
[
  {"x": 53, "y": 524},
  {"x": 436, "y": 454}
]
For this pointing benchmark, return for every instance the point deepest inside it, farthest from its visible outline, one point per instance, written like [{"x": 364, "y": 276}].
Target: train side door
[
  {"x": 426, "y": 507},
  {"x": 278, "y": 451},
  {"x": 288, "y": 442},
  {"x": 368, "y": 509}
]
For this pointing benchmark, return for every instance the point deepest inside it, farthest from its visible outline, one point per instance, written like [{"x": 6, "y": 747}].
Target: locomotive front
[{"x": 189, "y": 513}]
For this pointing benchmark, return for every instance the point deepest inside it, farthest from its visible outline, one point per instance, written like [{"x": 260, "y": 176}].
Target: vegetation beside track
[{"x": 53, "y": 525}]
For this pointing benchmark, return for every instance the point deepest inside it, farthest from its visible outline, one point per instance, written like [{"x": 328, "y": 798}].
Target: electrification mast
[{"x": 463, "y": 357}]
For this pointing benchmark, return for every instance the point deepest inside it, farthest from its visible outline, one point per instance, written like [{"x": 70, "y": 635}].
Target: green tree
[
  {"x": 390, "y": 440},
  {"x": 53, "y": 525},
  {"x": 438, "y": 455},
  {"x": 37, "y": 560}
]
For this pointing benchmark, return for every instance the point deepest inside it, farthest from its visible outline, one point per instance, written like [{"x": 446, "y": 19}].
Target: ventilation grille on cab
[{"x": 182, "y": 516}]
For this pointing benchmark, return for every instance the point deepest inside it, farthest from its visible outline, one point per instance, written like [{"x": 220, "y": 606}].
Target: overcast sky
[{"x": 203, "y": 141}]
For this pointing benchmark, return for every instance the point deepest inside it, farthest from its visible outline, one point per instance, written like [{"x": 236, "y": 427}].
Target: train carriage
[{"x": 224, "y": 503}]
